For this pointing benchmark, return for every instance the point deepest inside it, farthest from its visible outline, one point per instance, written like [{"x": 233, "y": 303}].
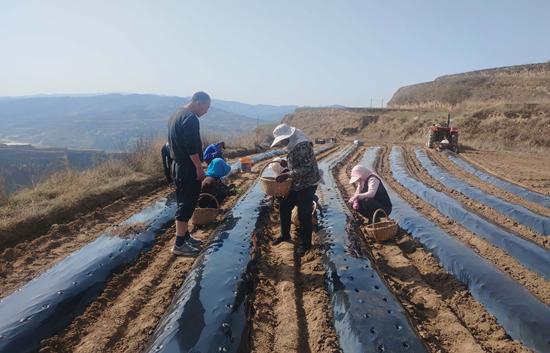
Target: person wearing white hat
[
  {"x": 304, "y": 172},
  {"x": 370, "y": 193}
]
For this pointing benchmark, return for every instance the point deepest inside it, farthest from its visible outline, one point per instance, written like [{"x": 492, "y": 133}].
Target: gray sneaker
[
  {"x": 194, "y": 241},
  {"x": 186, "y": 249}
]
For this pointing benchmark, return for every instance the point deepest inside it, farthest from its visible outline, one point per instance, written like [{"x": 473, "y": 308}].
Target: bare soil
[
  {"x": 531, "y": 170},
  {"x": 291, "y": 308}
]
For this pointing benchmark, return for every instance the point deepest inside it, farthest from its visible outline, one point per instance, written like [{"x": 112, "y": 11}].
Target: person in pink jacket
[{"x": 370, "y": 193}]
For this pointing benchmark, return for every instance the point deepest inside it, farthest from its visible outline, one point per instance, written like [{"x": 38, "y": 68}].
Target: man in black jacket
[{"x": 185, "y": 144}]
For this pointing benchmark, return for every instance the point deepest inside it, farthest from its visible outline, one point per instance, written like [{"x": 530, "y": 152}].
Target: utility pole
[{"x": 257, "y": 128}]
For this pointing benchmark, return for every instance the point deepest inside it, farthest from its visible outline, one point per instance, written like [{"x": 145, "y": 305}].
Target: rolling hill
[{"x": 113, "y": 122}]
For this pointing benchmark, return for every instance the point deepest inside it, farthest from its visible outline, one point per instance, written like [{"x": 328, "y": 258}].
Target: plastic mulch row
[
  {"x": 526, "y": 252},
  {"x": 522, "y": 215},
  {"x": 46, "y": 304},
  {"x": 521, "y": 314},
  {"x": 367, "y": 317},
  {"x": 49, "y": 302},
  {"x": 522, "y": 192},
  {"x": 209, "y": 312}
]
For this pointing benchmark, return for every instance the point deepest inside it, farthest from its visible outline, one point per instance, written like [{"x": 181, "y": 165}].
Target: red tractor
[{"x": 443, "y": 136}]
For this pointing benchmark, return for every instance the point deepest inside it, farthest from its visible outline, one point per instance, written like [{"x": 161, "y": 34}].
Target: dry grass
[
  {"x": 68, "y": 188},
  {"x": 3, "y": 193},
  {"x": 505, "y": 108},
  {"x": 512, "y": 85},
  {"x": 259, "y": 139},
  {"x": 520, "y": 127}
]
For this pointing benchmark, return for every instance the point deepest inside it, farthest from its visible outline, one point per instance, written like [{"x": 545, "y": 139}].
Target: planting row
[
  {"x": 526, "y": 252},
  {"x": 536, "y": 222},
  {"x": 210, "y": 310},
  {"x": 49, "y": 302},
  {"x": 522, "y": 315},
  {"x": 522, "y": 192},
  {"x": 367, "y": 317}
]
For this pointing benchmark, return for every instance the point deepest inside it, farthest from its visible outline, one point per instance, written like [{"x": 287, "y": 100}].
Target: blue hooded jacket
[
  {"x": 213, "y": 151},
  {"x": 217, "y": 168}
]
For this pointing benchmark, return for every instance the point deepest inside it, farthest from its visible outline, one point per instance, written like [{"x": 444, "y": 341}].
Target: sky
[{"x": 303, "y": 52}]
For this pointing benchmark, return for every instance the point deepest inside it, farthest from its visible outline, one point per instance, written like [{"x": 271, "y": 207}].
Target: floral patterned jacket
[{"x": 303, "y": 166}]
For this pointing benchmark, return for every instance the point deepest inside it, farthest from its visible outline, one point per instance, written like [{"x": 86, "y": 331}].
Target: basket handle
[
  {"x": 376, "y": 212},
  {"x": 314, "y": 208},
  {"x": 212, "y": 197},
  {"x": 267, "y": 165}
]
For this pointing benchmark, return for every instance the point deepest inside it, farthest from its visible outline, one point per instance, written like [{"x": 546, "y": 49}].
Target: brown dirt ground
[
  {"x": 443, "y": 311},
  {"x": 531, "y": 170},
  {"x": 291, "y": 308},
  {"x": 124, "y": 316}
]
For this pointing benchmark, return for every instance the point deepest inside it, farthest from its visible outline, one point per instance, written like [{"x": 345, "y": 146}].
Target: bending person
[
  {"x": 303, "y": 169},
  {"x": 213, "y": 184},
  {"x": 214, "y": 150},
  {"x": 370, "y": 193}
]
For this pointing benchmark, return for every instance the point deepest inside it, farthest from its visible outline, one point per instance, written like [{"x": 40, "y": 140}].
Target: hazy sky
[{"x": 280, "y": 52}]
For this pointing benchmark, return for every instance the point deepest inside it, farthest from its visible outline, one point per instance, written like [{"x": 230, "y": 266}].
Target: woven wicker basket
[
  {"x": 203, "y": 216},
  {"x": 383, "y": 230},
  {"x": 273, "y": 188},
  {"x": 296, "y": 221}
]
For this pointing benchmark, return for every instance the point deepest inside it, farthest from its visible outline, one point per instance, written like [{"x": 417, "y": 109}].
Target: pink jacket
[{"x": 359, "y": 175}]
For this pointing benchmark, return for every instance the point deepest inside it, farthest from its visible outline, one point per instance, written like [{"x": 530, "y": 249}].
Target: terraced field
[{"x": 468, "y": 272}]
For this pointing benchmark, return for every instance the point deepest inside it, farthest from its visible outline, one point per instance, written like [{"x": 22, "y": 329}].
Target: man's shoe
[
  {"x": 186, "y": 249},
  {"x": 279, "y": 240},
  {"x": 193, "y": 241},
  {"x": 302, "y": 249}
]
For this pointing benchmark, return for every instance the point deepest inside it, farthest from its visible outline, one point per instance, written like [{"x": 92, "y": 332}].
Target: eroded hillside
[{"x": 502, "y": 108}]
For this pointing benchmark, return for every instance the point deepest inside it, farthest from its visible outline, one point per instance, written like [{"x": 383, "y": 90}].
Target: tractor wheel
[
  {"x": 431, "y": 140},
  {"x": 454, "y": 143}
]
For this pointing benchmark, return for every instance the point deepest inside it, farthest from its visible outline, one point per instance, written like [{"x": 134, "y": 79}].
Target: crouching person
[
  {"x": 302, "y": 168},
  {"x": 370, "y": 193},
  {"x": 213, "y": 184}
]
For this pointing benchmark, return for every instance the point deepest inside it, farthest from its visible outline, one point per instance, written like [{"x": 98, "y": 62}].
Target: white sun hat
[{"x": 282, "y": 132}]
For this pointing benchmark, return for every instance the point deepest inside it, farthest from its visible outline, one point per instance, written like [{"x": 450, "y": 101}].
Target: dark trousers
[
  {"x": 367, "y": 208},
  {"x": 303, "y": 199},
  {"x": 187, "y": 194}
]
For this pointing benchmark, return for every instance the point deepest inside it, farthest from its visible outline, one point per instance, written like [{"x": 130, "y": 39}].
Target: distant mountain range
[{"x": 113, "y": 121}]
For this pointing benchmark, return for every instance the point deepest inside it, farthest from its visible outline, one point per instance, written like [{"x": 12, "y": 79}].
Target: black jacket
[
  {"x": 167, "y": 162},
  {"x": 184, "y": 139}
]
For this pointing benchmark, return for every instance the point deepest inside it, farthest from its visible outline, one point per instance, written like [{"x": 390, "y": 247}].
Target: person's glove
[
  {"x": 283, "y": 163},
  {"x": 282, "y": 177}
]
